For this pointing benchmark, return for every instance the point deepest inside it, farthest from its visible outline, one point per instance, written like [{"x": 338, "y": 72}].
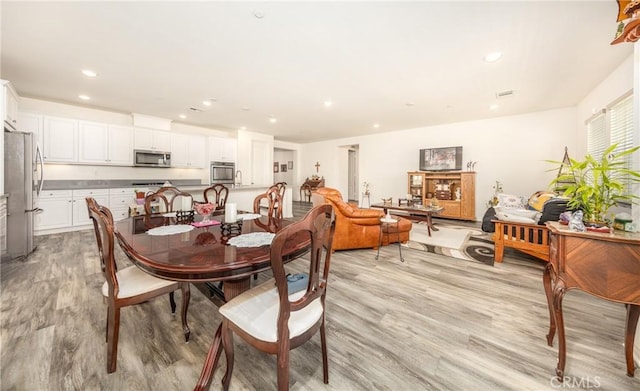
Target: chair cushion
[
  {"x": 132, "y": 282},
  {"x": 256, "y": 312}
]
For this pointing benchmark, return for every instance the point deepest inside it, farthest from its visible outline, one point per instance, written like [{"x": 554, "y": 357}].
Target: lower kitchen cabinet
[
  {"x": 63, "y": 209},
  {"x": 80, "y": 211},
  {"x": 57, "y": 210}
]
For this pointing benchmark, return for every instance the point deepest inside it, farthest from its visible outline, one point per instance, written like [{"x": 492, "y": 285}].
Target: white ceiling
[{"x": 399, "y": 64}]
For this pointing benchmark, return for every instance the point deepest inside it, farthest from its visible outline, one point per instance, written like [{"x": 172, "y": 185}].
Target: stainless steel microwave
[{"x": 151, "y": 158}]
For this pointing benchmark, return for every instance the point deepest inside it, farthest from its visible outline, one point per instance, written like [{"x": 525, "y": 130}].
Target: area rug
[{"x": 454, "y": 241}]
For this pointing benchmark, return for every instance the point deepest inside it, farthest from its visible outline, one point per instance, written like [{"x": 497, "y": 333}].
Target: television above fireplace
[{"x": 441, "y": 159}]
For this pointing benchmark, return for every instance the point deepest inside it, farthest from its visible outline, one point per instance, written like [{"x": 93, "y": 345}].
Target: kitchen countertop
[{"x": 182, "y": 184}]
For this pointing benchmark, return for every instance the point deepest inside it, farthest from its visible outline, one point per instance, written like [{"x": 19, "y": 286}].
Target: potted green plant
[{"x": 594, "y": 186}]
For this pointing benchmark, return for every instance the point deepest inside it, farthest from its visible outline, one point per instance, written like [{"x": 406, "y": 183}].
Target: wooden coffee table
[{"x": 417, "y": 213}]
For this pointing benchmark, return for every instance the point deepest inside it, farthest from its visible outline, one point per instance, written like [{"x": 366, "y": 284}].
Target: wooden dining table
[{"x": 203, "y": 255}]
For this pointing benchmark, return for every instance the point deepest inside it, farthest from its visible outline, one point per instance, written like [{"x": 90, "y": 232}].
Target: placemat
[
  {"x": 169, "y": 230},
  {"x": 254, "y": 239}
]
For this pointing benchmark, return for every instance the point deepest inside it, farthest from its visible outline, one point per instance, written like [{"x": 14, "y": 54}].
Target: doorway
[{"x": 353, "y": 174}]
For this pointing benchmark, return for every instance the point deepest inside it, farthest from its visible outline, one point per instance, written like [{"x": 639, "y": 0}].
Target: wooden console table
[
  {"x": 604, "y": 265},
  {"x": 309, "y": 186}
]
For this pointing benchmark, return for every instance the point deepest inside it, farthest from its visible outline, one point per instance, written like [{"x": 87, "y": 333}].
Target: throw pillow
[
  {"x": 538, "y": 199},
  {"x": 509, "y": 201}
]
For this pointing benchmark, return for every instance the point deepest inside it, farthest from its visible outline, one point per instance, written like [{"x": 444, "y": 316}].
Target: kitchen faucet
[{"x": 238, "y": 181}]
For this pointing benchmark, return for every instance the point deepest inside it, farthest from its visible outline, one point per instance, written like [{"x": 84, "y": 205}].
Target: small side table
[{"x": 388, "y": 221}]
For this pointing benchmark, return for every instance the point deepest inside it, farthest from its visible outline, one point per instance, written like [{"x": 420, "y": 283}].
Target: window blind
[{"x": 597, "y": 140}]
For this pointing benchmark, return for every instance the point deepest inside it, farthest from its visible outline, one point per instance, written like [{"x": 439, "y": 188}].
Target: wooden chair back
[
  {"x": 168, "y": 199},
  {"x": 217, "y": 193},
  {"x": 103, "y": 228},
  {"x": 319, "y": 225},
  {"x": 259, "y": 303},
  {"x": 146, "y": 286},
  {"x": 273, "y": 204}
]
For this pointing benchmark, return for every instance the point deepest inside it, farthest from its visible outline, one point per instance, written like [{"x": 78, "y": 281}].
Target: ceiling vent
[
  {"x": 504, "y": 94},
  {"x": 197, "y": 110}
]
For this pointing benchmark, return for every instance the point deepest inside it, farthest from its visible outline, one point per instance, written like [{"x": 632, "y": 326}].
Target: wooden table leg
[
  {"x": 558, "y": 294},
  {"x": 633, "y": 312},
  {"x": 232, "y": 288},
  {"x": 547, "y": 283}
]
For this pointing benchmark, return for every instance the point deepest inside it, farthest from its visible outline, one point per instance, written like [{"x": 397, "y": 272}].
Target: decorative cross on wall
[{"x": 317, "y": 166}]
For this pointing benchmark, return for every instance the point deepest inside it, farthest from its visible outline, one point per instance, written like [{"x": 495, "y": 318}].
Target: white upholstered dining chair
[
  {"x": 128, "y": 286},
  {"x": 274, "y": 320}
]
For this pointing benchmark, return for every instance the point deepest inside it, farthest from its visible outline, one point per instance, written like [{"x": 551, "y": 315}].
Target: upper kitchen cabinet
[
  {"x": 152, "y": 140},
  {"x": 187, "y": 150},
  {"x": 222, "y": 149},
  {"x": 60, "y": 138},
  {"x": 31, "y": 123},
  {"x": 11, "y": 105},
  {"x": 105, "y": 144}
]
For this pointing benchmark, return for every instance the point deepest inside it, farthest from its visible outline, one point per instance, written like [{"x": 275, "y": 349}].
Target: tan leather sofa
[{"x": 359, "y": 228}]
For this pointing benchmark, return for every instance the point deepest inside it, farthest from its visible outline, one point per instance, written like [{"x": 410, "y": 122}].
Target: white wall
[{"x": 512, "y": 150}]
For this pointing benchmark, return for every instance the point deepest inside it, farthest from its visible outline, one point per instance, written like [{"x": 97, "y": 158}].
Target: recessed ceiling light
[
  {"x": 84, "y": 97},
  {"x": 182, "y": 116},
  {"x": 245, "y": 108},
  {"x": 273, "y": 120},
  {"x": 376, "y": 126},
  {"x": 328, "y": 103},
  {"x": 89, "y": 73},
  {"x": 208, "y": 102},
  {"x": 409, "y": 104},
  {"x": 493, "y": 57},
  {"x": 493, "y": 107},
  {"x": 243, "y": 128}
]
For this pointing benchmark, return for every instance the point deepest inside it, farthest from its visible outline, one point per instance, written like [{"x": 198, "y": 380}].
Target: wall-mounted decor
[
  {"x": 283, "y": 167},
  {"x": 290, "y": 164},
  {"x": 276, "y": 166}
]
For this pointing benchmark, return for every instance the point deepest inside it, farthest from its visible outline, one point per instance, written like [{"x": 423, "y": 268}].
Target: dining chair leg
[
  {"x": 106, "y": 327},
  {"x": 186, "y": 297},
  {"x": 112, "y": 339},
  {"x": 283, "y": 369},
  {"x": 227, "y": 345},
  {"x": 172, "y": 302},
  {"x": 325, "y": 361}
]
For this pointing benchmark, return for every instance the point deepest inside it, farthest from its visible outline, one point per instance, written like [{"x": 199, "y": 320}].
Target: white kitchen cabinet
[
  {"x": 152, "y": 139},
  {"x": 67, "y": 208},
  {"x": 57, "y": 210},
  {"x": 31, "y": 123},
  {"x": 120, "y": 199},
  {"x": 120, "y": 145},
  {"x": 105, "y": 144},
  {"x": 222, "y": 149},
  {"x": 60, "y": 138},
  {"x": 80, "y": 211},
  {"x": 11, "y": 104},
  {"x": 94, "y": 142},
  {"x": 187, "y": 150}
]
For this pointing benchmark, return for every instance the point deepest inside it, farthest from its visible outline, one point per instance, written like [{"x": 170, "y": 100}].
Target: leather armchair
[{"x": 359, "y": 228}]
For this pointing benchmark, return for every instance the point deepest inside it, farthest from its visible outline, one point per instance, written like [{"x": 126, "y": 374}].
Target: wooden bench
[{"x": 532, "y": 239}]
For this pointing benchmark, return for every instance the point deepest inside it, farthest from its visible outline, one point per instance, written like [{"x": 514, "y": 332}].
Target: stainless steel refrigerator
[{"x": 22, "y": 185}]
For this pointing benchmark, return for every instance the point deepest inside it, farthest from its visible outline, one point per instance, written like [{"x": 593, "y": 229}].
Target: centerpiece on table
[{"x": 594, "y": 186}]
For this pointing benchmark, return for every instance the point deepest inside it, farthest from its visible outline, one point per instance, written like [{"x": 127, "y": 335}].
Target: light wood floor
[{"x": 430, "y": 323}]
